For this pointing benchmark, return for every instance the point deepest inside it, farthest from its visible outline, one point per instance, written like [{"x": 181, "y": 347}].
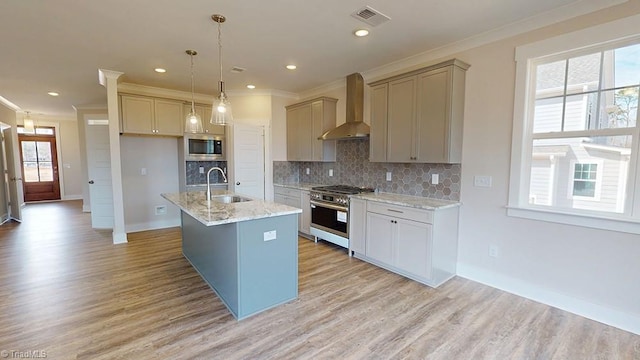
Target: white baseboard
[
  {"x": 152, "y": 225},
  {"x": 71, "y": 197},
  {"x": 119, "y": 238},
  {"x": 606, "y": 315},
  {"x": 4, "y": 218}
]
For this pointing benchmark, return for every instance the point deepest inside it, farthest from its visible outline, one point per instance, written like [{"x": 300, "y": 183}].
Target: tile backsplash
[
  {"x": 193, "y": 172},
  {"x": 352, "y": 167}
]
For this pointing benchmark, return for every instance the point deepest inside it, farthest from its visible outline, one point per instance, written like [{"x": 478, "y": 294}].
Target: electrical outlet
[
  {"x": 201, "y": 169},
  {"x": 482, "y": 181},
  {"x": 494, "y": 251},
  {"x": 143, "y": 171},
  {"x": 388, "y": 175},
  {"x": 269, "y": 235},
  {"x": 161, "y": 210},
  {"x": 307, "y": 171},
  {"x": 330, "y": 172},
  {"x": 435, "y": 179}
]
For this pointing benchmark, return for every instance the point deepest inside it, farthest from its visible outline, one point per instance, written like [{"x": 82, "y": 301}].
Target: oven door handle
[{"x": 329, "y": 206}]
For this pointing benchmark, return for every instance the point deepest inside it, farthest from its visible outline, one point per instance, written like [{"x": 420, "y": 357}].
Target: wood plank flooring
[{"x": 66, "y": 290}]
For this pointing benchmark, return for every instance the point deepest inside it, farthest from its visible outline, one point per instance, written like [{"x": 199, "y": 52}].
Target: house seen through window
[{"x": 583, "y": 117}]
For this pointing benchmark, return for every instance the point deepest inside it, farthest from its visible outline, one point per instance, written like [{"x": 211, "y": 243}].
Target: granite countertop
[
  {"x": 299, "y": 186},
  {"x": 205, "y": 184},
  {"x": 213, "y": 213},
  {"x": 418, "y": 202}
]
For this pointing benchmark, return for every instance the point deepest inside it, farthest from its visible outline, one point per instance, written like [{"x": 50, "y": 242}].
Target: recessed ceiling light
[
  {"x": 361, "y": 32},
  {"x": 251, "y": 86},
  {"x": 160, "y": 70},
  {"x": 53, "y": 93},
  {"x": 291, "y": 67}
]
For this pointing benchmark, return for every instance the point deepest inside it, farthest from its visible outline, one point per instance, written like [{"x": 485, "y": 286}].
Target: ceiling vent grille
[
  {"x": 370, "y": 16},
  {"x": 237, "y": 69}
]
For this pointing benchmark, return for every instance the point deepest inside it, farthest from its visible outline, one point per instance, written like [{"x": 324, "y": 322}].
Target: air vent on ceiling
[
  {"x": 370, "y": 16},
  {"x": 237, "y": 69}
]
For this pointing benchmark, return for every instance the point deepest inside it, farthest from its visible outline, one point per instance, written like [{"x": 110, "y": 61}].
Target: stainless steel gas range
[{"x": 330, "y": 212}]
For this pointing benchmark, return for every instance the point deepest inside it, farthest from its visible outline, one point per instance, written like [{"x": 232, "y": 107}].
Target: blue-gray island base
[
  {"x": 247, "y": 250},
  {"x": 251, "y": 265}
]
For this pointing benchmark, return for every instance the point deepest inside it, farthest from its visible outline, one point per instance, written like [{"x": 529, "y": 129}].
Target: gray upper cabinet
[
  {"x": 417, "y": 116},
  {"x": 306, "y": 121},
  {"x": 150, "y": 116}
]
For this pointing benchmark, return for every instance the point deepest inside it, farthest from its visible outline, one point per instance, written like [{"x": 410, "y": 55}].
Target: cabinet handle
[{"x": 396, "y": 211}]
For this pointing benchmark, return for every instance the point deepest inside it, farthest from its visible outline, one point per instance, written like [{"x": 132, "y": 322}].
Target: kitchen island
[{"x": 247, "y": 251}]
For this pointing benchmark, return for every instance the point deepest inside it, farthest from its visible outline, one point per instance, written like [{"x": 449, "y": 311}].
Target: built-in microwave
[{"x": 204, "y": 147}]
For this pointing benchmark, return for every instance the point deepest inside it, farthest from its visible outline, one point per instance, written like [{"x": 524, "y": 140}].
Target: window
[
  {"x": 575, "y": 141},
  {"x": 584, "y": 180}
]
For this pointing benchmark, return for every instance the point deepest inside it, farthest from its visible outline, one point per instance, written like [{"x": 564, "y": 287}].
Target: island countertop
[{"x": 212, "y": 213}]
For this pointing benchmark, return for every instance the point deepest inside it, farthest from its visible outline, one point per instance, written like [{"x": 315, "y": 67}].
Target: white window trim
[
  {"x": 622, "y": 30},
  {"x": 598, "y": 180}
]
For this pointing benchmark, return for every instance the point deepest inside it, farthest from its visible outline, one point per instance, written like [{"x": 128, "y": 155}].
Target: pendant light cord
[
  {"x": 220, "y": 54},
  {"x": 193, "y": 108}
]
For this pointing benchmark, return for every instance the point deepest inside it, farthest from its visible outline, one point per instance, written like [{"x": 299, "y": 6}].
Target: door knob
[
  {"x": 90, "y": 181},
  {"x": 238, "y": 183}
]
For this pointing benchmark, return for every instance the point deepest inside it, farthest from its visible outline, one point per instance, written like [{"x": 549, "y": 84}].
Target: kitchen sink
[{"x": 229, "y": 199}]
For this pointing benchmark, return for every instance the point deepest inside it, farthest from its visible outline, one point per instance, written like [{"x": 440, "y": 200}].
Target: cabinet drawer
[
  {"x": 408, "y": 213},
  {"x": 286, "y": 191}
]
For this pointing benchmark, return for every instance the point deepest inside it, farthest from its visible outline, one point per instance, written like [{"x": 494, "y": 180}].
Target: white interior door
[
  {"x": 248, "y": 160},
  {"x": 99, "y": 169},
  {"x": 16, "y": 192}
]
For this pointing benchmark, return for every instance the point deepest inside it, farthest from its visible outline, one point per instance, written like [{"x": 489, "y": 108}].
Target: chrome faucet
[{"x": 209, "y": 182}]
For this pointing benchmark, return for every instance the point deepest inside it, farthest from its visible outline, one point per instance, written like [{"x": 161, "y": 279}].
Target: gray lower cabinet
[
  {"x": 419, "y": 244},
  {"x": 296, "y": 198}
]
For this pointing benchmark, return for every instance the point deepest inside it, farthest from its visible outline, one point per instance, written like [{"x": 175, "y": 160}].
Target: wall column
[{"x": 109, "y": 79}]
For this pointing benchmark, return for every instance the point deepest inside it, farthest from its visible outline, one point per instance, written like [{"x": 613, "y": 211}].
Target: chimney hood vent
[{"x": 354, "y": 127}]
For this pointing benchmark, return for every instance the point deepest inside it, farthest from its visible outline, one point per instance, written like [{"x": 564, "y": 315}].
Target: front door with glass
[{"x": 39, "y": 164}]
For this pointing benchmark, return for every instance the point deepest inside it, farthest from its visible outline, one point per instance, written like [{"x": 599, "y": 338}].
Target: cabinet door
[
  {"x": 317, "y": 114},
  {"x": 168, "y": 116},
  {"x": 137, "y": 115},
  {"x": 433, "y": 116},
  {"x": 305, "y": 132},
  {"x": 292, "y": 134},
  {"x": 378, "y": 136},
  {"x": 401, "y": 119},
  {"x": 413, "y": 247},
  {"x": 379, "y": 240},
  {"x": 306, "y": 212},
  {"x": 357, "y": 223}
]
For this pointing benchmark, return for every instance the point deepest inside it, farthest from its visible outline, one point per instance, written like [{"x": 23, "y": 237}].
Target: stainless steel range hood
[{"x": 354, "y": 127}]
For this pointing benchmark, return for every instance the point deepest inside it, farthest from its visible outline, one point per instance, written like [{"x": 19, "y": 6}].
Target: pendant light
[
  {"x": 221, "y": 112},
  {"x": 193, "y": 122},
  {"x": 28, "y": 125}
]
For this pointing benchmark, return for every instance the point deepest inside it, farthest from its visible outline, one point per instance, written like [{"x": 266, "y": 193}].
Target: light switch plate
[
  {"x": 307, "y": 171},
  {"x": 388, "y": 175},
  {"x": 435, "y": 179},
  {"x": 201, "y": 170},
  {"x": 330, "y": 172},
  {"x": 143, "y": 171}
]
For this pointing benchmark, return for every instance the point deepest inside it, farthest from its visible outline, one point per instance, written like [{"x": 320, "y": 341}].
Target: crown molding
[
  {"x": 9, "y": 104},
  {"x": 526, "y": 25},
  {"x": 145, "y": 90},
  {"x": 89, "y": 107},
  {"x": 323, "y": 89}
]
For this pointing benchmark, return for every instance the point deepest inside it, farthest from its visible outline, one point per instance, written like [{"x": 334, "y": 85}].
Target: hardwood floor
[{"x": 66, "y": 290}]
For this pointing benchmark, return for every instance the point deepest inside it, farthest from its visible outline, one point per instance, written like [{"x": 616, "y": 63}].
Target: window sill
[{"x": 620, "y": 224}]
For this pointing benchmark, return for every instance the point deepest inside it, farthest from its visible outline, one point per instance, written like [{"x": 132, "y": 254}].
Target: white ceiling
[{"x": 58, "y": 45}]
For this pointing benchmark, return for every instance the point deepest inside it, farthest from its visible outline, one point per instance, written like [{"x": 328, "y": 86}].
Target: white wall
[
  {"x": 159, "y": 156},
  {"x": 69, "y": 164},
  {"x": 589, "y": 272}
]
